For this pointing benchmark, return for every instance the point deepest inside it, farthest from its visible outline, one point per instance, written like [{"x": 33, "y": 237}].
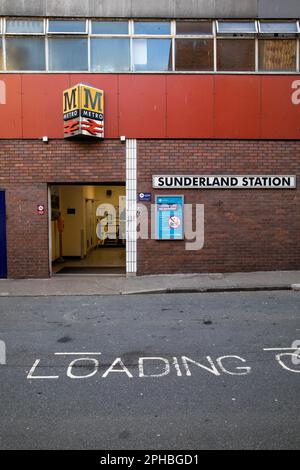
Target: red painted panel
[
  {"x": 11, "y": 111},
  {"x": 42, "y": 105},
  {"x": 108, "y": 83},
  {"x": 189, "y": 106},
  {"x": 237, "y": 106},
  {"x": 158, "y": 106},
  {"x": 142, "y": 101},
  {"x": 280, "y": 117}
]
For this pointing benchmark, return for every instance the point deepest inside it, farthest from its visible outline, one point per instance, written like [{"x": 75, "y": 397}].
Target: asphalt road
[{"x": 250, "y": 401}]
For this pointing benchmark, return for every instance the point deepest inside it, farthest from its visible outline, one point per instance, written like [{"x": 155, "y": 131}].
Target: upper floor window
[
  {"x": 25, "y": 53},
  {"x": 67, "y": 26},
  {"x": 236, "y": 27},
  {"x": 110, "y": 55},
  {"x": 194, "y": 28},
  {"x": 153, "y": 55},
  {"x": 152, "y": 28},
  {"x": 24, "y": 26},
  {"x": 139, "y": 45},
  {"x": 278, "y": 27},
  {"x": 110, "y": 27}
]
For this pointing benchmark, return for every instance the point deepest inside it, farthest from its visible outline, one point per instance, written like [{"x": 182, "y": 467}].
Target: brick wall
[
  {"x": 245, "y": 230},
  {"x": 26, "y": 167}
]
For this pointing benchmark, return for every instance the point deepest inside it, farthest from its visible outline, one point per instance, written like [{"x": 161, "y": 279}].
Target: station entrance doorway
[{"x": 88, "y": 229}]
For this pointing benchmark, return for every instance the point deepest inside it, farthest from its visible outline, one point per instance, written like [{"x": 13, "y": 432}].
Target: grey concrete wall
[{"x": 153, "y": 8}]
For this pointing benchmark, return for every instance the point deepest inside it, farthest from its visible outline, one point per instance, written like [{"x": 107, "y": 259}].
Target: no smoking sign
[{"x": 41, "y": 209}]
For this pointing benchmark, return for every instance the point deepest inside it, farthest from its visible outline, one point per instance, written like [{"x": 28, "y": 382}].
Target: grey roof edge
[{"x": 153, "y": 8}]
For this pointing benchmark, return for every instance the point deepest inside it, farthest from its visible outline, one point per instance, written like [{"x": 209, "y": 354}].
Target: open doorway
[{"x": 88, "y": 229}]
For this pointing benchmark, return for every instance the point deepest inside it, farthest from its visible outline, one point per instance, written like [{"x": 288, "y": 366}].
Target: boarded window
[
  {"x": 236, "y": 55},
  {"x": 277, "y": 55},
  {"x": 194, "y": 54}
]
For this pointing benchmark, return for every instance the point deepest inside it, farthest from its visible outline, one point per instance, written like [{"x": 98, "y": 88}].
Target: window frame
[
  {"x": 17, "y": 36},
  {"x": 4, "y": 26},
  {"x": 277, "y": 34},
  {"x": 131, "y": 36},
  {"x": 67, "y": 36},
  {"x": 76, "y": 33},
  {"x": 235, "y": 34}
]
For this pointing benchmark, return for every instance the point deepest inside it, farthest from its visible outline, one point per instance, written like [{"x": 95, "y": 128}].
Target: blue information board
[{"x": 169, "y": 217}]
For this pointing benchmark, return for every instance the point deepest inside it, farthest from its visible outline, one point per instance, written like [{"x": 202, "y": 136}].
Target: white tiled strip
[{"x": 131, "y": 207}]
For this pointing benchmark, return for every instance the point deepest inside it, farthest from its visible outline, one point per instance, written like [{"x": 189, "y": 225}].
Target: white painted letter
[
  {"x": 213, "y": 369},
  {"x": 141, "y": 366},
  {"x": 72, "y": 376},
  {"x": 293, "y": 355},
  {"x": 246, "y": 370},
  {"x": 30, "y": 375},
  {"x": 296, "y": 94},
  {"x": 123, "y": 368}
]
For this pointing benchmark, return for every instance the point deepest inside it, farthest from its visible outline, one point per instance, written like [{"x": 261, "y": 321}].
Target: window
[
  {"x": 110, "y": 55},
  {"x": 25, "y": 53},
  {"x": 152, "y": 27},
  {"x": 192, "y": 28},
  {"x": 236, "y": 27},
  {"x": 1, "y": 55},
  {"x": 112, "y": 45},
  {"x": 194, "y": 54},
  {"x": 278, "y": 27},
  {"x": 68, "y": 54},
  {"x": 152, "y": 55},
  {"x": 277, "y": 55},
  {"x": 236, "y": 55},
  {"x": 67, "y": 26},
  {"x": 25, "y": 26},
  {"x": 109, "y": 27}
]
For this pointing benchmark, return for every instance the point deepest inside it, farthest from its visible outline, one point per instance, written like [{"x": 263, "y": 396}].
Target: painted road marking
[{"x": 158, "y": 366}]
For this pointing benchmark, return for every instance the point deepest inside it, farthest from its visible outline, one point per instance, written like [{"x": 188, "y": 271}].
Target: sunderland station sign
[{"x": 223, "y": 182}]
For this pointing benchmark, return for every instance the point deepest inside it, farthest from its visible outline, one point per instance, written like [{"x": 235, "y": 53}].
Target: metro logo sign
[{"x": 83, "y": 111}]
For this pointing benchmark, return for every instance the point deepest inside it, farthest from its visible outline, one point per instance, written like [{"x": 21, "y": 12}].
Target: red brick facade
[
  {"x": 245, "y": 230},
  {"x": 26, "y": 168}
]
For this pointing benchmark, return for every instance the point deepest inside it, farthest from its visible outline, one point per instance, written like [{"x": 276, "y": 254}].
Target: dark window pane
[
  {"x": 25, "y": 53},
  {"x": 67, "y": 26},
  {"x": 277, "y": 55},
  {"x": 1, "y": 55},
  {"x": 194, "y": 54},
  {"x": 193, "y": 27},
  {"x": 152, "y": 54},
  {"x": 109, "y": 27},
  {"x": 24, "y": 26},
  {"x": 273, "y": 27},
  {"x": 110, "y": 55},
  {"x": 68, "y": 54},
  {"x": 152, "y": 27},
  {"x": 236, "y": 55},
  {"x": 239, "y": 27}
]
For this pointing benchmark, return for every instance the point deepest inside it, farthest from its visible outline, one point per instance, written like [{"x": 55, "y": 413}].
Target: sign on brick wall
[{"x": 83, "y": 111}]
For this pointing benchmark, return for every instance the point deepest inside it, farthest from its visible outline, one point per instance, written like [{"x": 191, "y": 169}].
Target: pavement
[
  {"x": 167, "y": 372},
  {"x": 75, "y": 285}
]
